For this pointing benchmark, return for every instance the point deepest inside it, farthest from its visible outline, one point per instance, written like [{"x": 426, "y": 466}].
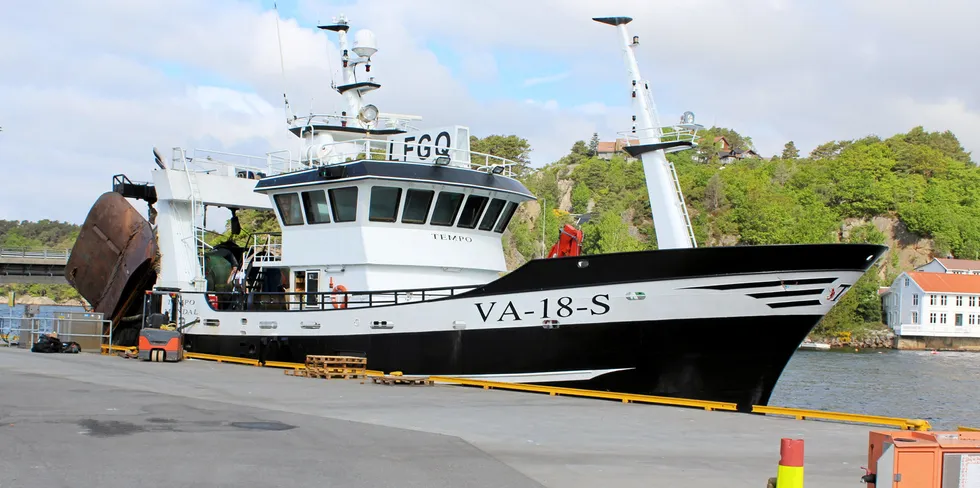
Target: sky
[{"x": 88, "y": 89}]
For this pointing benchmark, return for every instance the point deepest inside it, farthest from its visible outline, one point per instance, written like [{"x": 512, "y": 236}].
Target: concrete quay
[{"x": 91, "y": 420}]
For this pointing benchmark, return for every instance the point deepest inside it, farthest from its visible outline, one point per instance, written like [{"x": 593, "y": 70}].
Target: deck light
[
  {"x": 441, "y": 160},
  {"x": 368, "y": 113},
  {"x": 497, "y": 169}
]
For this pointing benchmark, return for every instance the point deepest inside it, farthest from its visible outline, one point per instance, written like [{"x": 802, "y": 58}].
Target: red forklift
[{"x": 161, "y": 338}]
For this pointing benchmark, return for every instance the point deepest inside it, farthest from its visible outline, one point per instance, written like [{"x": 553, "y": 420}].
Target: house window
[
  {"x": 932, "y": 299},
  {"x": 942, "y": 318},
  {"x": 959, "y": 319},
  {"x": 959, "y": 300},
  {"x": 973, "y": 319},
  {"x": 417, "y": 204},
  {"x": 493, "y": 211},
  {"x": 973, "y": 301},
  {"x": 289, "y": 210},
  {"x": 315, "y": 205},
  {"x": 915, "y": 299},
  {"x": 932, "y": 318},
  {"x": 472, "y": 211},
  {"x": 447, "y": 206},
  {"x": 906, "y": 282},
  {"x": 915, "y": 317},
  {"x": 384, "y": 203},
  {"x": 942, "y": 300},
  {"x": 344, "y": 203}
]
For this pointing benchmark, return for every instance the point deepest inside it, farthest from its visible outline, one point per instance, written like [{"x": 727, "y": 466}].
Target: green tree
[
  {"x": 594, "y": 145},
  {"x": 580, "y": 198},
  {"x": 790, "y": 151},
  {"x": 608, "y": 234},
  {"x": 510, "y": 147}
]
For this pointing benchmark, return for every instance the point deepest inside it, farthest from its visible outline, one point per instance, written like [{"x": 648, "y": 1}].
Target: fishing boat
[{"x": 391, "y": 249}]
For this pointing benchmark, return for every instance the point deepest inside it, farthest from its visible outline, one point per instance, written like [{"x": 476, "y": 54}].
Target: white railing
[
  {"x": 270, "y": 243},
  {"x": 282, "y": 161},
  {"x": 384, "y": 121},
  {"x": 209, "y": 161},
  {"x": 671, "y": 133},
  {"x": 25, "y": 253},
  {"x": 398, "y": 151}
]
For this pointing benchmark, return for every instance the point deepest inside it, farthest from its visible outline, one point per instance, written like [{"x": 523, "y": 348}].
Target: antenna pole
[
  {"x": 666, "y": 204},
  {"x": 282, "y": 64}
]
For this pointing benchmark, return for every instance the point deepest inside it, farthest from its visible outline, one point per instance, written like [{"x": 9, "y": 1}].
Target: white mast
[
  {"x": 365, "y": 46},
  {"x": 670, "y": 217}
]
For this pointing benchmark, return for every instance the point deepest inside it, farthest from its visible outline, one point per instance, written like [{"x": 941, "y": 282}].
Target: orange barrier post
[{"x": 789, "y": 474}]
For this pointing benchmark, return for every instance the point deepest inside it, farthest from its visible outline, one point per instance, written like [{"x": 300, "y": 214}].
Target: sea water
[{"x": 942, "y": 388}]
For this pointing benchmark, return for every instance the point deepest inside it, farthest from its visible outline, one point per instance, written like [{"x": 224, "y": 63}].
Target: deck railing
[
  {"x": 324, "y": 300},
  {"x": 283, "y": 161}
]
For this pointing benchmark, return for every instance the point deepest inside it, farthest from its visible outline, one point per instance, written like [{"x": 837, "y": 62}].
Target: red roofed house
[
  {"x": 949, "y": 265},
  {"x": 930, "y": 310},
  {"x": 606, "y": 150}
]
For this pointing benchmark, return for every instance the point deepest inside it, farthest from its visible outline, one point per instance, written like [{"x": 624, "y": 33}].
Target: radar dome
[
  {"x": 687, "y": 118},
  {"x": 365, "y": 44}
]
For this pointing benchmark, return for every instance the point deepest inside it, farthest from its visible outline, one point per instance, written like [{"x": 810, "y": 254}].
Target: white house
[
  {"x": 934, "y": 305},
  {"x": 953, "y": 266}
]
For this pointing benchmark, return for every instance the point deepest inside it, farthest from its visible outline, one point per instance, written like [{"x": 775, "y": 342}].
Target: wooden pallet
[
  {"x": 402, "y": 380},
  {"x": 332, "y": 367},
  {"x": 306, "y": 373}
]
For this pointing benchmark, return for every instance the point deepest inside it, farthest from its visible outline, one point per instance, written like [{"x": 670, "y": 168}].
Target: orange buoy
[{"x": 333, "y": 296}]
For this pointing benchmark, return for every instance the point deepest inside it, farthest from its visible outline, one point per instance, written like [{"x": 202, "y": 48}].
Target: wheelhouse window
[
  {"x": 505, "y": 218},
  {"x": 384, "y": 203},
  {"x": 315, "y": 205},
  {"x": 493, "y": 211},
  {"x": 417, "y": 203},
  {"x": 288, "y": 204},
  {"x": 472, "y": 211},
  {"x": 447, "y": 206},
  {"x": 344, "y": 203}
]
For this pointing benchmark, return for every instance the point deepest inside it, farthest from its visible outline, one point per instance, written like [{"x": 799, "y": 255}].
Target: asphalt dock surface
[{"x": 90, "y": 420}]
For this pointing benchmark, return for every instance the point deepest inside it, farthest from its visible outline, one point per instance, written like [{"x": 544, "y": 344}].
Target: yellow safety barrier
[
  {"x": 802, "y": 414},
  {"x": 967, "y": 429},
  {"x": 255, "y": 362},
  {"x": 557, "y": 390},
  {"x": 221, "y": 359},
  {"x": 284, "y": 365}
]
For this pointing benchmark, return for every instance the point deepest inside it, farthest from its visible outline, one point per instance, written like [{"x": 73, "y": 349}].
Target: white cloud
[
  {"x": 98, "y": 85},
  {"x": 547, "y": 79}
]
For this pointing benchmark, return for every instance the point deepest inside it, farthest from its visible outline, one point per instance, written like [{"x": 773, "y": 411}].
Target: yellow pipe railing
[
  {"x": 798, "y": 413},
  {"x": 967, "y": 429},
  {"x": 803, "y": 414},
  {"x": 561, "y": 391}
]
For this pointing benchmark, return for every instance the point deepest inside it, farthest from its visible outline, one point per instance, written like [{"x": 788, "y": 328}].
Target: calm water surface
[{"x": 943, "y": 388}]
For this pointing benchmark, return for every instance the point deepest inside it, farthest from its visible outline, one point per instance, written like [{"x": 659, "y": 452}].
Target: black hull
[{"x": 730, "y": 359}]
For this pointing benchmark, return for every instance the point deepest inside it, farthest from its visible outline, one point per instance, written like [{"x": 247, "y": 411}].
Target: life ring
[{"x": 333, "y": 296}]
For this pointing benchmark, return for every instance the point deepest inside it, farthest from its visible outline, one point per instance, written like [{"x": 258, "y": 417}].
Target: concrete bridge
[{"x": 40, "y": 266}]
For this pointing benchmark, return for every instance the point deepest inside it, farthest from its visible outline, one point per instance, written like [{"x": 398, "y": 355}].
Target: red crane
[{"x": 569, "y": 242}]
